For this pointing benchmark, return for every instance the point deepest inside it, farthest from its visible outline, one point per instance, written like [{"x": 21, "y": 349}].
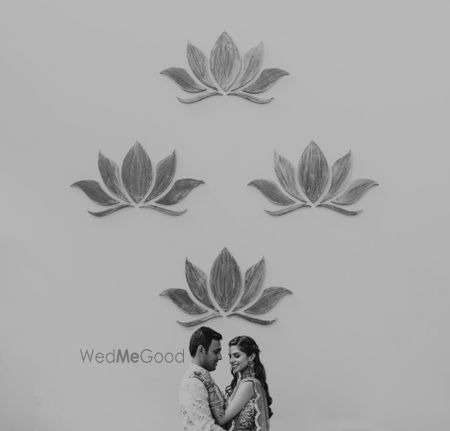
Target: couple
[{"x": 246, "y": 404}]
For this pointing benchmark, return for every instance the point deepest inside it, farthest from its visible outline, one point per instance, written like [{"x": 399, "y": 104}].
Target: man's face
[{"x": 212, "y": 356}]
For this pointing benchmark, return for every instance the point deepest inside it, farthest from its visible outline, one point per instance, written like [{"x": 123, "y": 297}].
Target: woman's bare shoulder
[
  {"x": 252, "y": 380},
  {"x": 250, "y": 385},
  {"x": 245, "y": 387}
]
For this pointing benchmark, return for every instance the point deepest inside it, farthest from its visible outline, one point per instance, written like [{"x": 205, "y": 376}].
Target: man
[{"x": 198, "y": 389}]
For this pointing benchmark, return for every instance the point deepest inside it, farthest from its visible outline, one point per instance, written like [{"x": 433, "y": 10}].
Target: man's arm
[
  {"x": 195, "y": 407},
  {"x": 215, "y": 398}
]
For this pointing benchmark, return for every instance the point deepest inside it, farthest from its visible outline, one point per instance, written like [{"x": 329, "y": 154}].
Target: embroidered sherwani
[{"x": 195, "y": 401}]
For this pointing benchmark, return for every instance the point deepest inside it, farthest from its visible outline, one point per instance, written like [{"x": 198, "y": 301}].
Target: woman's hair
[{"x": 248, "y": 346}]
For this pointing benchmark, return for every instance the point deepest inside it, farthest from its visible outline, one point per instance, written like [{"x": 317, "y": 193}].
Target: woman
[{"x": 248, "y": 399}]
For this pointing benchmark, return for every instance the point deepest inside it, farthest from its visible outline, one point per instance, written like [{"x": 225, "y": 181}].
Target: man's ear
[{"x": 200, "y": 350}]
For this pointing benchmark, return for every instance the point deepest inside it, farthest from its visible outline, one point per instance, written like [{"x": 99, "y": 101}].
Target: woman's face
[{"x": 239, "y": 360}]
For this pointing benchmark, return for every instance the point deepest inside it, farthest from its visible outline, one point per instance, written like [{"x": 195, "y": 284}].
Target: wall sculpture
[
  {"x": 225, "y": 73},
  {"x": 313, "y": 184},
  {"x": 224, "y": 294},
  {"x": 136, "y": 185}
]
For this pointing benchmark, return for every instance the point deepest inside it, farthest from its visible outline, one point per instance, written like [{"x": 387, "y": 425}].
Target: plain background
[{"x": 361, "y": 345}]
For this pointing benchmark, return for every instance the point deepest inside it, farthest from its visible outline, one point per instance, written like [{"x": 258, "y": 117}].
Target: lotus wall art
[
  {"x": 224, "y": 294},
  {"x": 136, "y": 185},
  {"x": 312, "y": 184},
  {"x": 225, "y": 72}
]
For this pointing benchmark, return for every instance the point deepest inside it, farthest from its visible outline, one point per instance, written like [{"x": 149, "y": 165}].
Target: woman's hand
[{"x": 204, "y": 378}]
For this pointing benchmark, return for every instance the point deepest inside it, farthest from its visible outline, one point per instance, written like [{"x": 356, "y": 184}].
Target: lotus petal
[
  {"x": 340, "y": 210},
  {"x": 225, "y": 280},
  {"x": 287, "y": 210},
  {"x": 251, "y": 66},
  {"x": 313, "y": 172},
  {"x": 137, "y": 172},
  {"x": 251, "y": 98},
  {"x": 198, "y": 284},
  {"x": 183, "y": 79},
  {"x": 199, "y": 65},
  {"x": 199, "y": 98},
  {"x": 254, "y": 319},
  {"x": 198, "y": 321},
  {"x": 225, "y": 62},
  {"x": 111, "y": 176},
  {"x": 267, "y": 78},
  {"x": 109, "y": 211},
  {"x": 182, "y": 300},
  {"x": 254, "y": 277},
  {"x": 286, "y": 176},
  {"x": 179, "y": 191},
  {"x": 164, "y": 210},
  {"x": 355, "y": 191},
  {"x": 165, "y": 171},
  {"x": 270, "y": 297},
  {"x": 95, "y": 192},
  {"x": 272, "y": 191},
  {"x": 339, "y": 174}
]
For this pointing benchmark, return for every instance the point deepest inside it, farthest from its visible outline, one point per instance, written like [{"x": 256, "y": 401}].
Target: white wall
[{"x": 363, "y": 342}]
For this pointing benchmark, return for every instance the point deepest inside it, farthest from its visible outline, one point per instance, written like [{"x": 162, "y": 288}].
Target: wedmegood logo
[{"x": 126, "y": 356}]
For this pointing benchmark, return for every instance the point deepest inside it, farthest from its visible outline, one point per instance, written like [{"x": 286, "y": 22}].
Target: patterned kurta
[{"x": 194, "y": 402}]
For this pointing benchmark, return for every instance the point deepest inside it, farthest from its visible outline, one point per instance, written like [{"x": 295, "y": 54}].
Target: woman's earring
[{"x": 252, "y": 369}]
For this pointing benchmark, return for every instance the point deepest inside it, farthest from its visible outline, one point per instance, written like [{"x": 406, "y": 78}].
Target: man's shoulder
[
  {"x": 197, "y": 373},
  {"x": 191, "y": 380},
  {"x": 191, "y": 389}
]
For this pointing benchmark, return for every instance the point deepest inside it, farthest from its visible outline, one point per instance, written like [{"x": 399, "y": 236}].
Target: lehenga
[{"x": 255, "y": 414}]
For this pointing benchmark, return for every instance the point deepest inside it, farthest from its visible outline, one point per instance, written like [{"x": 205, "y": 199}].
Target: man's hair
[{"x": 202, "y": 337}]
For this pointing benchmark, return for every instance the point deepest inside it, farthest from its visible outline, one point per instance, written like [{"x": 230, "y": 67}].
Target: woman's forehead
[{"x": 235, "y": 349}]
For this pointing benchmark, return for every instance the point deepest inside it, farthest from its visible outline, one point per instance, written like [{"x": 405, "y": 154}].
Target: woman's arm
[{"x": 243, "y": 395}]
